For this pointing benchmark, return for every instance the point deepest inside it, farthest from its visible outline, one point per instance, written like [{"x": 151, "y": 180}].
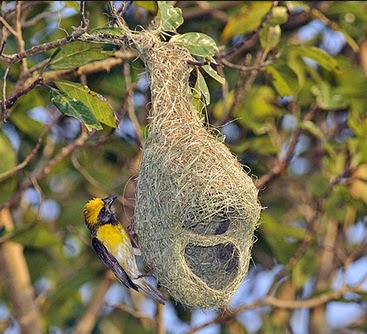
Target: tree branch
[
  {"x": 283, "y": 163},
  {"x": 89, "y": 318},
  {"x": 17, "y": 281}
]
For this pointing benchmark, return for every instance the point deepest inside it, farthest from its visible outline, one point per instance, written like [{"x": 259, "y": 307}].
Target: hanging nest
[{"x": 196, "y": 209}]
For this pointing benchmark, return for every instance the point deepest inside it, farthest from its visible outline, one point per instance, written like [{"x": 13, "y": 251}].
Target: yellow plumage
[{"x": 112, "y": 243}]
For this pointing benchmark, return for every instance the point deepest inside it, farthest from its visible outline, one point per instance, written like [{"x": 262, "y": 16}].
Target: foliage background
[{"x": 292, "y": 110}]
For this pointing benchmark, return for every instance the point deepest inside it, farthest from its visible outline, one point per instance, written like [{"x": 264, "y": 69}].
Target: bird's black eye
[{"x": 103, "y": 210}]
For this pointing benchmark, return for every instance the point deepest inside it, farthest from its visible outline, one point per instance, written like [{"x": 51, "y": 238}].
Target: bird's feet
[{"x": 150, "y": 271}]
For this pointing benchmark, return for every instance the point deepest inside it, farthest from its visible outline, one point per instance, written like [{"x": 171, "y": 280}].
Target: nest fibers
[{"x": 196, "y": 209}]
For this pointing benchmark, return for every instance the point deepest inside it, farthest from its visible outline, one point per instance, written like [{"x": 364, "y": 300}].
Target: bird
[{"x": 111, "y": 242}]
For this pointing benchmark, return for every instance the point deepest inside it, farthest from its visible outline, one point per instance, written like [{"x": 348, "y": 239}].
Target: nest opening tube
[{"x": 196, "y": 208}]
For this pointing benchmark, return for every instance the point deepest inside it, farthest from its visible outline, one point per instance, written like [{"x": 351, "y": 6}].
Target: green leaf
[
  {"x": 78, "y": 53},
  {"x": 72, "y": 4},
  {"x": 304, "y": 268},
  {"x": 202, "y": 87},
  {"x": 214, "y": 74},
  {"x": 197, "y": 43},
  {"x": 170, "y": 17},
  {"x": 270, "y": 36},
  {"x": 283, "y": 79},
  {"x": 328, "y": 98},
  {"x": 257, "y": 110},
  {"x": 96, "y": 104},
  {"x": 319, "y": 56},
  {"x": 8, "y": 160},
  {"x": 246, "y": 19},
  {"x": 148, "y": 5},
  {"x": 277, "y": 237},
  {"x": 279, "y": 15},
  {"x": 72, "y": 107}
]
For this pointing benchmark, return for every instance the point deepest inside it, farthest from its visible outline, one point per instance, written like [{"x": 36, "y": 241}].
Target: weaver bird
[{"x": 112, "y": 243}]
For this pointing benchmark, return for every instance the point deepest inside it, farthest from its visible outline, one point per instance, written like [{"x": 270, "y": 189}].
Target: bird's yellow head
[{"x": 99, "y": 211}]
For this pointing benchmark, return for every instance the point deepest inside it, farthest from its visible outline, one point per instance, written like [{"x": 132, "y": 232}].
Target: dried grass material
[{"x": 196, "y": 209}]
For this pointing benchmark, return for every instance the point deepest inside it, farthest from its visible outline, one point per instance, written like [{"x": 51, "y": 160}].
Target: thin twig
[
  {"x": 129, "y": 310},
  {"x": 10, "y": 102},
  {"x": 3, "y": 101},
  {"x": 43, "y": 47},
  {"x": 84, "y": 21},
  {"x": 7, "y": 26},
  {"x": 265, "y": 180},
  {"x": 64, "y": 152},
  {"x": 19, "y": 35},
  {"x": 27, "y": 159}
]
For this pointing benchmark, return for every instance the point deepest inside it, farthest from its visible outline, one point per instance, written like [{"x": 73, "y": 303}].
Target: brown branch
[
  {"x": 256, "y": 67},
  {"x": 159, "y": 319},
  {"x": 19, "y": 35},
  {"x": 43, "y": 47},
  {"x": 27, "y": 159},
  {"x": 129, "y": 310},
  {"x": 17, "y": 282},
  {"x": 37, "y": 80},
  {"x": 283, "y": 163},
  {"x": 283, "y": 304},
  {"x": 89, "y": 318},
  {"x": 7, "y": 26}
]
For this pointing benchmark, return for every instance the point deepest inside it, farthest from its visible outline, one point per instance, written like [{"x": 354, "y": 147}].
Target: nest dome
[{"x": 196, "y": 208}]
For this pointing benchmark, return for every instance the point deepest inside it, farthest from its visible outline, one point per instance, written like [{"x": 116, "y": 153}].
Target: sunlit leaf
[
  {"x": 72, "y": 4},
  {"x": 170, "y": 17},
  {"x": 202, "y": 87},
  {"x": 75, "y": 54},
  {"x": 270, "y": 36},
  {"x": 325, "y": 60},
  {"x": 96, "y": 103},
  {"x": 214, "y": 74},
  {"x": 148, "y": 5},
  {"x": 304, "y": 268},
  {"x": 247, "y": 19},
  {"x": 279, "y": 15},
  {"x": 197, "y": 43},
  {"x": 72, "y": 107},
  {"x": 328, "y": 98},
  {"x": 283, "y": 79}
]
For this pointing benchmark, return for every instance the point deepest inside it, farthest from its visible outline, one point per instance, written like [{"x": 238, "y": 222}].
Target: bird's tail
[{"x": 150, "y": 290}]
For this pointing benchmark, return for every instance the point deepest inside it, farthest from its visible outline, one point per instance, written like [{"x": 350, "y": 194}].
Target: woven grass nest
[{"x": 196, "y": 209}]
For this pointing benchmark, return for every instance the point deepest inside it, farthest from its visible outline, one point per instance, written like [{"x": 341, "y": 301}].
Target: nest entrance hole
[{"x": 216, "y": 265}]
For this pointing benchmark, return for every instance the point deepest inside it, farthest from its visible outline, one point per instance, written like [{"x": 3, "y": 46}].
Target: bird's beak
[{"x": 109, "y": 201}]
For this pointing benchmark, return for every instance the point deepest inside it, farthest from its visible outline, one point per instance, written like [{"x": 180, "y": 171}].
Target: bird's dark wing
[{"x": 112, "y": 263}]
